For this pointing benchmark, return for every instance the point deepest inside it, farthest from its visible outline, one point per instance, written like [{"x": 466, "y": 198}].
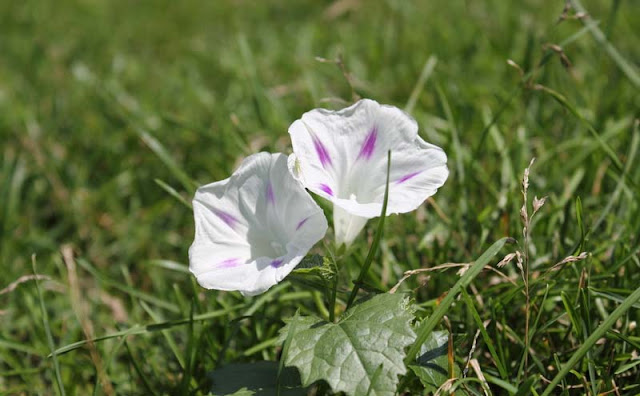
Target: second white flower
[
  {"x": 342, "y": 156},
  {"x": 253, "y": 228}
]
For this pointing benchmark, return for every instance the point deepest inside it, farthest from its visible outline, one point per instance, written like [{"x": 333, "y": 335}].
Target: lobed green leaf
[{"x": 360, "y": 354}]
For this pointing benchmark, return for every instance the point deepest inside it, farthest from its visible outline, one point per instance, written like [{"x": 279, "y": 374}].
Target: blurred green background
[{"x": 102, "y": 103}]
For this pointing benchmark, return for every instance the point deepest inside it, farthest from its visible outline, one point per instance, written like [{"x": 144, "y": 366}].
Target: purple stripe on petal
[
  {"x": 301, "y": 223},
  {"x": 322, "y": 152},
  {"x": 326, "y": 189},
  {"x": 270, "y": 197},
  {"x": 407, "y": 177},
  {"x": 277, "y": 263},
  {"x": 229, "y": 263},
  {"x": 369, "y": 144},
  {"x": 227, "y": 218}
]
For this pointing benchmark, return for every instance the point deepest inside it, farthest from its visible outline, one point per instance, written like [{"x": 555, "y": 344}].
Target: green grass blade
[
  {"x": 261, "y": 346},
  {"x": 267, "y": 297},
  {"x": 148, "y": 328},
  {"x": 138, "y": 370},
  {"x": 573, "y": 316},
  {"x": 526, "y": 388},
  {"x": 631, "y": 155},
  {"x": 285, "y": 349},
  {"x": 610, "y": 296},
  {"x": 172, "y": 191},
  {"x": 190, "y": 355},
  {"x": 428, "y": 325},
  {"x": 170, "y": 341},
  {"x": 501, "y": 383},
  {"x": 455, "y": 136},
  {"x": 127, "y": 289},
  {"x": 492, "y": 350},
  {"x": 427, "y": 70},
  {"x": 627, "y": 68},
  {"x": 47, "y": 329},
  {"x": 18, "y": 346},
  {"x": 591, "y": 340},
  {"x": 562, "y": 100},
  {"x": 615, "y": 335},
  {"x": 513, "y": 93},
  {"x": 579, "y": 218},
  {"x": 162, "y": 153},
  {"x": 376, "y": 240},
  {"x": 169, "y": 265}
]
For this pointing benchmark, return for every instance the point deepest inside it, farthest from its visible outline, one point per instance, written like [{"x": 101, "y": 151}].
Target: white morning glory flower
[
  {"x": 253, "y": 228},
  {"x": 342, "y": 156}
]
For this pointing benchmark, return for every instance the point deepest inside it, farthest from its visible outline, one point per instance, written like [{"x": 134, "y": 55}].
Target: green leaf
[
  {"x": 315, "y": 265},
  {"x": 432, "y": 366},
  {"x": 314, "y": 271},
  {"x": 310, "y": 262},
  {"x": 259, "y": 379},
  {"x": 360, "y": 354}
]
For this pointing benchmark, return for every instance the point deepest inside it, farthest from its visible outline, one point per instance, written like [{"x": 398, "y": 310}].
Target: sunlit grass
[{"x": 111, "y": 113}]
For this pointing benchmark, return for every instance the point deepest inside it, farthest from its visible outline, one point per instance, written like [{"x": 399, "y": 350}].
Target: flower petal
[
  {"x": 253, "y": 228},
  {"x": 356, "y": 141},
  {"x": 347, "y": 226}
]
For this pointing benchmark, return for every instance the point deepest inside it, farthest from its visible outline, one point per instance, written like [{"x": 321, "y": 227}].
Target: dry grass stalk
[
  {"x": 523, "y": 259},
  {"x": 445, "y": 387},
  {"x": 483, "y": 381},
  {"x": 569, "y": 259},
  {"x": 470, "y": 355},
  {"x": 24, "y": 278},
  {"x": 463, "y": 267},
  {"x": 80, "y": 309},
  {"x": 506, "y": 260}
]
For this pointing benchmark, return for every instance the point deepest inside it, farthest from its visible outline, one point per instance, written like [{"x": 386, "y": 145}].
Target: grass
[{"x": 112, "y": 113}]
